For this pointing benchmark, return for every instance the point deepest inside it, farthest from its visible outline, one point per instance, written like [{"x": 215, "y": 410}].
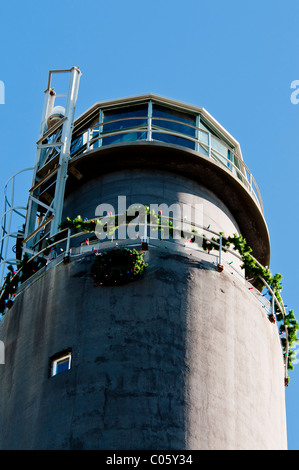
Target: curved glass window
[
  {"x": 76, "y": 145},
  {"x": 118, "y": 120},
  {"x": 154, "y": 119},
  {"x": 126, "y": 137},
  {"x": 172, "y": 139},
  {"x": 173, "y": 121}
]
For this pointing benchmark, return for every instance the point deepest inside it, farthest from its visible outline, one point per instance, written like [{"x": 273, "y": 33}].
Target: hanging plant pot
[{"x": 118, "y": 266}]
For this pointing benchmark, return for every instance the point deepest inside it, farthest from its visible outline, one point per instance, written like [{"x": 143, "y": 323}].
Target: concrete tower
[{"x": 182, "y": 357}]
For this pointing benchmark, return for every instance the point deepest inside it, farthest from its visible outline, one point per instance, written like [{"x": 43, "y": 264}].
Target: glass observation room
[{"x": 156, "y": 119}]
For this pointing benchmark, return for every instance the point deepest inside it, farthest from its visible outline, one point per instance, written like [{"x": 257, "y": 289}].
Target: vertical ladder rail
[
  {"x": 8, "y": 224},
  {"x": 62, "y": 147},
  {"x": 32, "y": 205},
  {"x": 65, "y": 150}
]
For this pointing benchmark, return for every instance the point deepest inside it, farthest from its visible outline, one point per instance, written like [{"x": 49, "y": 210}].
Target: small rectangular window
[{"x": 61, "y": 363}]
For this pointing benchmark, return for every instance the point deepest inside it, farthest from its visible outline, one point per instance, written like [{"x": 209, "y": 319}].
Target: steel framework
[{"x": 50, "y": 170}]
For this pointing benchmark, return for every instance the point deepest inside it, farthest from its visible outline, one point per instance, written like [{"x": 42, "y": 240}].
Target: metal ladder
[
  {"x": 46, "y": 196},
  {"x": 11, "y": 225}
]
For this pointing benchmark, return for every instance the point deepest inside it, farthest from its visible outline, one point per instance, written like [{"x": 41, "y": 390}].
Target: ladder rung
[
  {"x": 51, "y": 130},
  {"x": 50, "y": 145},
  {"x": 38, "y": 229},
  {"x": 48, "y": 166},
  {"x": 44, "y": 179}
]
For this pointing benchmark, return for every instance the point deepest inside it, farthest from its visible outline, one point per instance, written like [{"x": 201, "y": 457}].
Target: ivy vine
[
  {"x": 109, "y": 268},
  {"x": 13, "y": 278},
  {"x": 91, "y": 226},
  {"x": 239, "y": 244},
  {"x": 252, "y": 267},
  {"x": 118, "y": 266}
]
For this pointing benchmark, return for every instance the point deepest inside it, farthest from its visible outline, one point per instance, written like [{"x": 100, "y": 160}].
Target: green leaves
[
  {"x": 118, "y": 266},
  {"x": 252, "y": 267},
  {"x": 27, "y": 268},
  {"x": 235, "y": 242},
  {"x": 79, "y": 225}
]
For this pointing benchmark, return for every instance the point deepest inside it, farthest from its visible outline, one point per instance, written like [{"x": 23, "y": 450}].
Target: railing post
[
  {"x": 149, "y": 120},
  {"x": 88, "y": 139},
  {"x": 197, "y": 132},
  {"x": 68, "y": 241},
  {"x": 101, "y": 127},
  {"x": 220, "y": 248},
  {"x": 272, "y": 314},
  {"x": 67, "y": 256},
  {"x": 144, "y": 240},
  {"x": 210, "y": 144},
  {"x": 250, "y": 182},
  {"x": 145, "y": 228}
]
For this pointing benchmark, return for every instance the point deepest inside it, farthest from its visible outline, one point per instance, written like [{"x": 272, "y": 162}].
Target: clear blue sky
[{"x": 236, "y": 59}]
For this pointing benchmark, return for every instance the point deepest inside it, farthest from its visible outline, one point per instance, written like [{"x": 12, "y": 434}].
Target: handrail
[
  {"x": 196, "y": 128},
  {"x": 190, "y": 233},
  {"x": 235, "y": 164}
]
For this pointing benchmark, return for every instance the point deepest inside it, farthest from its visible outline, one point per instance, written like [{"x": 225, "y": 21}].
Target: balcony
[{"x": 154, "y": 121}]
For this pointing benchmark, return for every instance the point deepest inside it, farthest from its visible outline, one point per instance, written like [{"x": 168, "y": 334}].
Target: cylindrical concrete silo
[{"x": 183, "y": 358}]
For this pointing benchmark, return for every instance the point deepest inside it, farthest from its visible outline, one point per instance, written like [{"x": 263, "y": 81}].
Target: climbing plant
[
  {"x": 111, "y": 223},
  {"x": 236, "y": 242},
  {"x": 118, "y": 266},
  {"x": 25, "y": 269},
  {"x": 252, "y": 267}
]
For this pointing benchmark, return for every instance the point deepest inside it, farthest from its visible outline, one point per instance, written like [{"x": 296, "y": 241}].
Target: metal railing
[
  {"x": 202, "y": 141},
  {"x": 66, "y": 251},
  {"x": 8, "y": 225}
]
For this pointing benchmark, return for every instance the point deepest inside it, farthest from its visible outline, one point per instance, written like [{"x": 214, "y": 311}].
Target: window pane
[
  {"x": 94, "y": 138},
  {"x": 121, "y": 114},
  {"x": 220, "y": 150},
  {"x": 76, "y": 145},
  {"x": 62, "y": 365},
  {"x": 180, "y": 127},
  {"x": 126, "y": 137},
  {"x": 172, "y": 139},
  {"x": 219, "y": 146},
  {"x": 204, "y": 137}
]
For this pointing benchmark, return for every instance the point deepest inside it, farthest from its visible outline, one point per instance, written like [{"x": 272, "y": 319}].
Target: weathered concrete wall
[
  {"x": 158, "y": 157},
  {"x": 150, "y": 187},
  {"x": 183, "y": 359}
]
